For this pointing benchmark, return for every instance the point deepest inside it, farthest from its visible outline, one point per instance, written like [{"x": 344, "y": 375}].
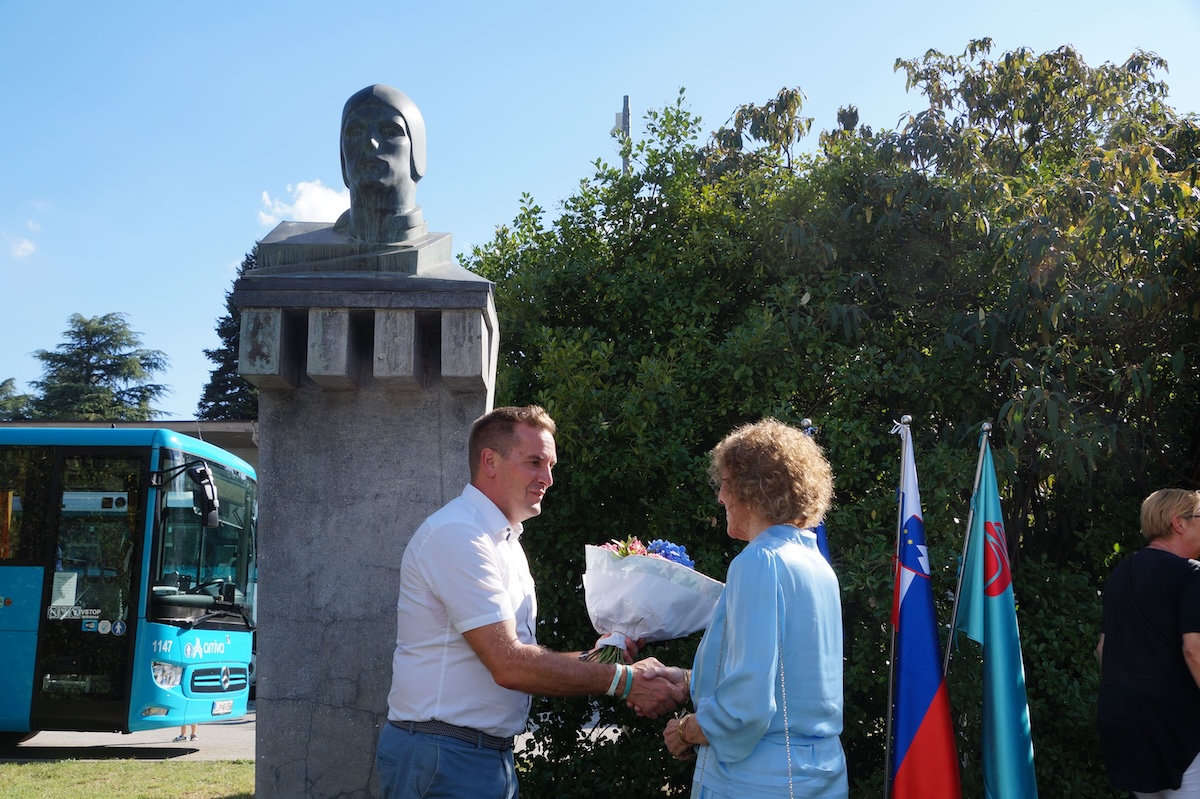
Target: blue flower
[{"x": 672, "y": 552}]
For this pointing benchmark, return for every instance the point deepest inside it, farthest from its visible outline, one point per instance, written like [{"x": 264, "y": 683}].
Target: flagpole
[
  {"x": 962, "y": 562},
  {"x": 905, "y": 421}
]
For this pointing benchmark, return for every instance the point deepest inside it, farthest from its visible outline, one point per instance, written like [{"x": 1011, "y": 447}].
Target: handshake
[{"x": 657, "y": 689}]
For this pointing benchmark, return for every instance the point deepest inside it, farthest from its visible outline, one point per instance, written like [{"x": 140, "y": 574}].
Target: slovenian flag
[
  {"x": 987, "y": 613},
  {"x": 924, "y": 759}
]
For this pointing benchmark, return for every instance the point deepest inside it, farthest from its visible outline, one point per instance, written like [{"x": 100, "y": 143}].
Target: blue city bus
[{"x": 127, "y": 580}]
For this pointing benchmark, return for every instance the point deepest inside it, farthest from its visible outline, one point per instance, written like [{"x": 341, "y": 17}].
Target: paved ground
[{"x": 220, "y": 740}]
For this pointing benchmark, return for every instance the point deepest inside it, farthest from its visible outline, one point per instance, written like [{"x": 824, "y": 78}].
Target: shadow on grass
[{"x": 40, "y": 754}]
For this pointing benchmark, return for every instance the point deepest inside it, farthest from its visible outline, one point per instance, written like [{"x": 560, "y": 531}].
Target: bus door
[
  {"x": 23, "y": 559},
  {"x": 82, "y": 671},
  {"x": 20, "y": 601}
]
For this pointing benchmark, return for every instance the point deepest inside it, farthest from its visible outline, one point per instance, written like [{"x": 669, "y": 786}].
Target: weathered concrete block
[
  {"x": 266, "y": 356},
  {"x": 330, "y": 360},
  {"x": 397, "y": 358},
  {"x": 464, "y": 350},
  {"x": 346, "y": 477}
]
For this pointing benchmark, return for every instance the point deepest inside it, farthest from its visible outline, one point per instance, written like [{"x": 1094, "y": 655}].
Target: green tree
[
  {"x": 1086, "y": 182},
  {"x": 1080, "y": 185},
  {"x": 1021, "y": 252},
  {"x": 228, "y": 395},
  {"x": 14, "y": 407},
  {"x": 99, "y": 373}
]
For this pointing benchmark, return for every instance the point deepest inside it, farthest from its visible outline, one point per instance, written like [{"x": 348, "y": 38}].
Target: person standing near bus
[
  {"x": 466, "y": 660},
  {"x": 183, "y": 733}
]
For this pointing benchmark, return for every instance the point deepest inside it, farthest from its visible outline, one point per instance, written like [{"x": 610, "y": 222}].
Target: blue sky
[{"x": 146, "y": 146}]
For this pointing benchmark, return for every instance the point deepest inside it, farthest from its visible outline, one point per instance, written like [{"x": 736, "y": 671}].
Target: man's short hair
[{"x": 496, "y": 429}]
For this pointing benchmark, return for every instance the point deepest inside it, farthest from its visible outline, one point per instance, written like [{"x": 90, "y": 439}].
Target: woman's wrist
[{"x": 679, "y": 731}]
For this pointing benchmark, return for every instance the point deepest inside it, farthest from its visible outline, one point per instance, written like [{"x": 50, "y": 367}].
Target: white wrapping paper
[{"x": 643, "y": 597}]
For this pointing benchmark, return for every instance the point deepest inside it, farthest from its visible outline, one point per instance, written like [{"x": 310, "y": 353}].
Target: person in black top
[{"x": 1149, "y": 650}]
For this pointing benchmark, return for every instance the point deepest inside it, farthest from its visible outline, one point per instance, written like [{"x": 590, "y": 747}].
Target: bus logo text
[{"x": 200, "y": 649}]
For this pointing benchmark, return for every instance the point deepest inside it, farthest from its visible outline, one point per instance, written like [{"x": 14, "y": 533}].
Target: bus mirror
[{"x": 205, "y": 493}]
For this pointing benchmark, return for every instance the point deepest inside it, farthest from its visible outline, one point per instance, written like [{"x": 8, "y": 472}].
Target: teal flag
[{"x": 987, "y": 613}]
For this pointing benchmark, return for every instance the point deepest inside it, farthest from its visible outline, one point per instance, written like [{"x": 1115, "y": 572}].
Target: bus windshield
[{"x": 203, "y": 575}]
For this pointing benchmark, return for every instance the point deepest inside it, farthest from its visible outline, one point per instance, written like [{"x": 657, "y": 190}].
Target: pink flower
[{"x": 630, "y": 546}]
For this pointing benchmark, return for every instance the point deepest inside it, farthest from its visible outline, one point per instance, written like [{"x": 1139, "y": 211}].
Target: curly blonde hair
[{"x": 777, "y": 469}]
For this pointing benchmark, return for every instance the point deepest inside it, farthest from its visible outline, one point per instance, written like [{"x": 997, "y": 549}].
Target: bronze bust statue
[{"x": 383, "y": 157}]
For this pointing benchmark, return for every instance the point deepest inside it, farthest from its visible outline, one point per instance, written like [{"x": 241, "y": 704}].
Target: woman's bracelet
[{"x": 679, "y": 730}]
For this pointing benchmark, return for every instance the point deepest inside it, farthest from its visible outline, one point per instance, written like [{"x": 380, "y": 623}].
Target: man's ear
[{"x": 487, "y": 462}]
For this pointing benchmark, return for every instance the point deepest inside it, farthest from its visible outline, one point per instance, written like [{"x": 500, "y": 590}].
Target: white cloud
[
  {"x": 311, "y": 201},
  {"x": 22, "y": 248},
  {"x": 34, "y": 227}
]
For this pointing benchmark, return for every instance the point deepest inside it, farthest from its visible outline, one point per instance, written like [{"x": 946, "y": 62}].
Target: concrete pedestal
[{"x": 372, "y": 363}]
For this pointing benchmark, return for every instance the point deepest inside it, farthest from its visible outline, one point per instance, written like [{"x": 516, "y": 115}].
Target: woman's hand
[
  {"x": 653, "y": 693},
  {"x": 676, "y": 674},
  {"x": 679, "y": 749}
]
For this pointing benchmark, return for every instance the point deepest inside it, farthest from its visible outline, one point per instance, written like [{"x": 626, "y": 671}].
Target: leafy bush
[{"x": 981, "y": 264}]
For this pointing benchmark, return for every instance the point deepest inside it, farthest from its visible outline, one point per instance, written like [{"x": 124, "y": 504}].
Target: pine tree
[
  {"x": 14, "y": 407},
  {"x": 99, "y": 373},
  {"x": 227, "y": 395}
]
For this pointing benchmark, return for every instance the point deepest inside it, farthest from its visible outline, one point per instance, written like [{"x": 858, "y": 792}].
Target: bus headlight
[{"x": 166, "y": 675}]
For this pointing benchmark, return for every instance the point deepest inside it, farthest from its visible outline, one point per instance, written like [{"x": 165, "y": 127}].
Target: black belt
[{"x": 465, "y": 734}]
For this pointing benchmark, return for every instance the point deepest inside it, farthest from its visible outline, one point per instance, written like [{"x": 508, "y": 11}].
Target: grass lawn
[{"x": 128, "y": 779}]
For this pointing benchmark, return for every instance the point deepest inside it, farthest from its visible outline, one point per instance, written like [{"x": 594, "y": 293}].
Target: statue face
[{"x": 376, "y": 153}]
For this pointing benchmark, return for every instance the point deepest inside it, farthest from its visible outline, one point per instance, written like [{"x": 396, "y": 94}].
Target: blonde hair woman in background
[{"x": 1149, "y": 650}]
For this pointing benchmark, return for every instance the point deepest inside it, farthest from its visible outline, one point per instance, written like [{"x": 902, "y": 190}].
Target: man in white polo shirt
[{"x": 467, "y": 659}]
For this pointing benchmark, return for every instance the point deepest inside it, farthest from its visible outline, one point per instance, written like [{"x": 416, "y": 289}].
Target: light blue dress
[{"x": 779, "y": 592}]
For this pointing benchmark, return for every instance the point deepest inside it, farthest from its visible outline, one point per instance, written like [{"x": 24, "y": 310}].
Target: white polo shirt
[{"x": 464, "y": 568}]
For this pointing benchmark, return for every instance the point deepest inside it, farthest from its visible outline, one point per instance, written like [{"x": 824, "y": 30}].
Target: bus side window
[
  {"x": 26, "y": 533},
  {"x": 96, "y": 529}
]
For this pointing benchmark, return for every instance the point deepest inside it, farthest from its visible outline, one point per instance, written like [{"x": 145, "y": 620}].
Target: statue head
[{"x": 383, "y": 157}]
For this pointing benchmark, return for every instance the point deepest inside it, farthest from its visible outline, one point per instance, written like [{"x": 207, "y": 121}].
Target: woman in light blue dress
[{"x": 766, "y": 684}]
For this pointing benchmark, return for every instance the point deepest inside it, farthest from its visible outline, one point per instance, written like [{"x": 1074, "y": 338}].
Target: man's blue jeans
[{"x": 415, "y": 765}]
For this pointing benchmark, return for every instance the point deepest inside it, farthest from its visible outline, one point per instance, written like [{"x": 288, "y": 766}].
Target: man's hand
[{"x": 655, "y": 693}]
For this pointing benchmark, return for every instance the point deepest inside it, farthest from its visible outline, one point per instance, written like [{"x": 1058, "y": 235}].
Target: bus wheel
[{"x": 10, "y": 739}]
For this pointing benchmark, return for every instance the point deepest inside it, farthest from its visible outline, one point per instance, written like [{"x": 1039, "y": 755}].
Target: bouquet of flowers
[{"x": 651, "y": 592}]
